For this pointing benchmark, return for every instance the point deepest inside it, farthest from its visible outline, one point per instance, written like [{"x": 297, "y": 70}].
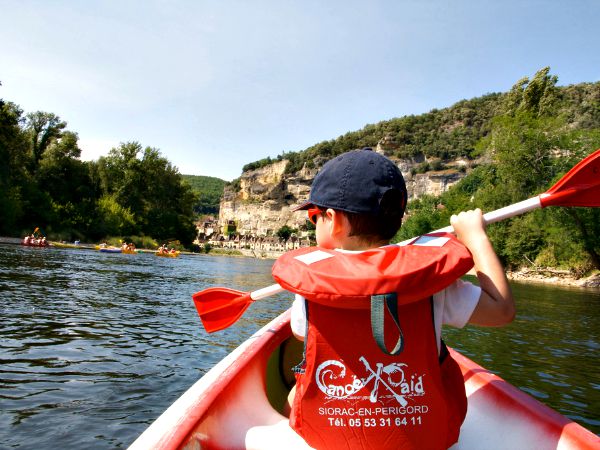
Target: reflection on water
[{"x": 95, "y": 345}]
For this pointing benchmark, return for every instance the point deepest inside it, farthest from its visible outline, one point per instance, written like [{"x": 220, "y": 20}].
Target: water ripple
[{"x": 104, "y": 343}]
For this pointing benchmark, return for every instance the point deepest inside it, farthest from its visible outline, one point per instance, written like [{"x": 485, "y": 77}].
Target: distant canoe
[
  {"x": 34, "y": 244},
  {"x": 110, "y": 250},
  {"x": 64, "y": 245},
  {"x": 168, "y": 254}
]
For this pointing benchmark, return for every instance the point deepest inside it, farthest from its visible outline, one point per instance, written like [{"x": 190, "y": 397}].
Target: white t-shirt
[{"x": 452, "y": 306}]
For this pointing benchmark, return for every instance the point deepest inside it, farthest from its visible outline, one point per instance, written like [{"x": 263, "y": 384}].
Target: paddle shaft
[
  {"x": 266, "y": 292},
  {"x": 499, "y": 214}
]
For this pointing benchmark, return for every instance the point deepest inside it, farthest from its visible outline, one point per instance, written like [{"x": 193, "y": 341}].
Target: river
[{"x": 95, "y": 346}]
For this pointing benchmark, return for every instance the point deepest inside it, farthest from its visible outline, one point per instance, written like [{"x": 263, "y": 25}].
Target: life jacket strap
[{"x": 379, "y": 305}]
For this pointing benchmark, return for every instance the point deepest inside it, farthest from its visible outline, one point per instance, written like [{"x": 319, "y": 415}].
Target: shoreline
[
  {"x": 557, "y": 278},
  {"x": 539, "y": 276}
]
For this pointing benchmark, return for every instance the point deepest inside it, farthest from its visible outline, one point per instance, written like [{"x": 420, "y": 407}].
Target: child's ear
[{"x": 338, "y": 223}]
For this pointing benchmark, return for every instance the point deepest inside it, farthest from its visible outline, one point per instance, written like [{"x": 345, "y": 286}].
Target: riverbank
[
  {"x": 555, "y": 277},
  {"x": 544, "y": 276}
]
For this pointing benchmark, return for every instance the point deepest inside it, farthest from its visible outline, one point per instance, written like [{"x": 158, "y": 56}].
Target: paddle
[{"x": 220, "y": 307}]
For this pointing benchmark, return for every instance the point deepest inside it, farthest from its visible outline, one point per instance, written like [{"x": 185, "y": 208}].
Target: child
[{"x": 352, "y": 391}]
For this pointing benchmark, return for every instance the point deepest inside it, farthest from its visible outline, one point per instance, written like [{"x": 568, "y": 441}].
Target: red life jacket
[{"x": 352, "y": 391}]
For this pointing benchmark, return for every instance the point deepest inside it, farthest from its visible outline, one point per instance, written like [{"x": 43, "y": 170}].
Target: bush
[{"x": 285, "y": 232}]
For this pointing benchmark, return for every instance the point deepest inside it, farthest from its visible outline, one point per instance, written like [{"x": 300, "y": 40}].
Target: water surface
[{"x": 95, "y": 345}]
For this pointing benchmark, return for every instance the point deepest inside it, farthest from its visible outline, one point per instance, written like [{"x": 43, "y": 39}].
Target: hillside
[
  {"x": 208, "y": 190},
  {"x": 486, "y": 152},
  {"x": 444, "y": 134}
]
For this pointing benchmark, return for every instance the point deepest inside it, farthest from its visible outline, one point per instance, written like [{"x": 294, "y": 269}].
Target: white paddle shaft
[
  {"x": 266, "y": 292},
  {"x": 500, "y": 214}
]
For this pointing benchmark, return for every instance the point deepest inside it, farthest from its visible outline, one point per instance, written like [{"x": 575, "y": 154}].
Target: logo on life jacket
[{"x": 331, "y": 379}]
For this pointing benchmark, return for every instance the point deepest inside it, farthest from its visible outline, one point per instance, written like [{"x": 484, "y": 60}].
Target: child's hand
[{"x": 469, "y": 226}]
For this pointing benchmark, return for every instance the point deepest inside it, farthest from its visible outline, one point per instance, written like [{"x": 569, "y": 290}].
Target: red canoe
[
  {"x": 237, "y": 404},
  {"x": 34, "y": 244}
]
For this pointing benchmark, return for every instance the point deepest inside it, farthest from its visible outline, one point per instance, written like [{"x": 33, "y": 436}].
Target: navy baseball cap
[{"x": 356, "y": 182}]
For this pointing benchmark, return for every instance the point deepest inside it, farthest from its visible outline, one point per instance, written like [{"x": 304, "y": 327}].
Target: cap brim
[{"x": 304, "y": 206}]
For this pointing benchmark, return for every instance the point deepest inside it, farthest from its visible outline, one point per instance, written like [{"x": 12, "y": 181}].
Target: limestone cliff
[{"x": 263, "y": 203}]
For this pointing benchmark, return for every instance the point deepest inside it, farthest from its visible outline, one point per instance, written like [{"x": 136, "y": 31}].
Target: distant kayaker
[{"x": 353, "y": 389}]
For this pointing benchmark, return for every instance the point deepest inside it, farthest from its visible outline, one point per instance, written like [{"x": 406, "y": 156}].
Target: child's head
[{"x": 366, "y": 188}]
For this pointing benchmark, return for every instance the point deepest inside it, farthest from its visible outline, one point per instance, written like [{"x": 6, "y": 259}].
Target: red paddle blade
[
  {"x": 579, "y": 187},
  {"x": 220, "y": 307}
]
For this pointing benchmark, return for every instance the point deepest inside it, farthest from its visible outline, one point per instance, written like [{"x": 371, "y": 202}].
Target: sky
[{"x": 217, "y": 84}]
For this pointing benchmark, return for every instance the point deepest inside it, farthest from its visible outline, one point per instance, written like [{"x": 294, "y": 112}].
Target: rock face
[
  {"x": 265, "y": 199},
  {"x": 431, "y": 183},
  {"x": 266, "y": 196}
]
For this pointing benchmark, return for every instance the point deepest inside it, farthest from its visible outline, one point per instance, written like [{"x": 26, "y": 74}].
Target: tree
[
  {"x": 532, "y": 147},
  {"x": 43, "y": 127},
  {"x": 285, "y": 232},
  {"x": 13, "y": 160},
  {"x": 67, "y": 181},
  {"x": 115, "y": 220},
  {"x": 150, "y": 188},
  {"x": 524, "y": 148},
  {"x": 169, "y": 200},
  {"x": 536, "y": 96}
]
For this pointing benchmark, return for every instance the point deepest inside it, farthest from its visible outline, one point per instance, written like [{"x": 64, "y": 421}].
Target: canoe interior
[{"x": 238, "y": 404}]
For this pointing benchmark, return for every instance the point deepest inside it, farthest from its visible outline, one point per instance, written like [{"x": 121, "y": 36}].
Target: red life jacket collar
[{"x": 348, "y": 279}]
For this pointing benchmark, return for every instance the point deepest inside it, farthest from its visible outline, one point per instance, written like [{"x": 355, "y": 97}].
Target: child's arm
[{"x": 496, "y": 306}]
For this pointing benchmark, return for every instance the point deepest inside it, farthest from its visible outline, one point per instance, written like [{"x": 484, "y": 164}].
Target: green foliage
[
  {"x": 13, "y": 161},
  {"x": 523, "y": 242},
  {"x": 208, "y": 190},
  {"x": 226, "y": 252},
  {"x": 422, "y": 215},
  {"x": 150, "y": 189},
  {"x": 42, "y": 128},
  {"x": 116, "y": 219},
  {"x": 285, "y": 232},
  {"x": 523, "y": 148},
  {"x": 258, "y": 164},
  {"x": 536, "y": 140},
  {"x": 235, "y": 184},
  {"x": 536, "y": 96}
]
